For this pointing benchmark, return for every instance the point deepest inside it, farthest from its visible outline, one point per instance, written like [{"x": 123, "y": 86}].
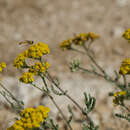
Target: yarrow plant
[
  {"x": 37, "y": 118},
  {"x": 39, "y": 67},
  {"x": 84, "y": 40},
  {"x": 79, "y": 39}
]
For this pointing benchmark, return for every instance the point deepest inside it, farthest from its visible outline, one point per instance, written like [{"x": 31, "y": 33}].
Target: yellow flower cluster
[
  {"x": 92, "y": 36},
  {"x": 121, "y": 93},
  {"x": 119, "y": 97},
  {"x": 35, "y": 51},
  {"x": 125, "y": 67},
  {"x": 2, "y": 66},
  {"x": 126, "y": 34},
  {"x": 31, "y": 118},
  {"x": 79, "y": 39},
  {"x": 39, "y": 67},
  {"x": 66, "y": 44},
  {"x": 27, "y": 77},
  {"x": 38, "y": 50},
  {"x": 20, "y": 60}
]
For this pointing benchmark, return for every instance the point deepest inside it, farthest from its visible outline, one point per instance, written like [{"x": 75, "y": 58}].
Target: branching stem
[
  {"x": 69, "y": 97},
  {"x": 52, "y": 99}
]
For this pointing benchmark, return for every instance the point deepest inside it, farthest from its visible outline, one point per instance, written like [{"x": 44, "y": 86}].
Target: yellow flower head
[
  {"x": 92, "y": 36},
  {"x": 27, "y": 77},
  {"x": 38, "y": 50},
  {"x": 20, "y": 60},
  {"x": 80, "y": 38},
  {"x": 66, "y": 44},
  {"x": 47, "y": 65},
  {"x": 119, "y": 97},
  {"x": 31, "y": 118},
  {"x": 121, "y": 93},
  {"x": 125, "y": 67},
  {"x": 2, "y": 66},
  {"x": 43, "y": 110},
  {"x": 126, "y": 34},
  {"x": 39, "y": 67}
]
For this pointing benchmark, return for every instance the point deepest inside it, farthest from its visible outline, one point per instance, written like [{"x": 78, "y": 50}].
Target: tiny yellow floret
[
  {"x": 80, "y": 39},
  {"x": 39, "y": 67},
  {"x": 119, "y": 97},
  {"x": 121, "y": 93},
  {"x": 93, "y": 36},
  {"x": 2, "y": 66},
  {"x": 126, "y": 34},
  {"x": 125, "y": 67},
  {"x": 20, "y": 60},
  {"x": 27, "y": 77},
  {"x": 66, "y": 44}
]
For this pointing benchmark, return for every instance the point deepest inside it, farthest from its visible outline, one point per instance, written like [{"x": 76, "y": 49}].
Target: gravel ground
[{"x": 52, "y": 21}]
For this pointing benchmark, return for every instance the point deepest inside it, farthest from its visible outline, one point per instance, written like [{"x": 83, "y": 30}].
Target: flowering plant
[{"x": 37, "y": 118}]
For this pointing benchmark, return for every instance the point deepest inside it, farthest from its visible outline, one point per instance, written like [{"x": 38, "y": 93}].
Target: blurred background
[{"x": 53, "y": 21}]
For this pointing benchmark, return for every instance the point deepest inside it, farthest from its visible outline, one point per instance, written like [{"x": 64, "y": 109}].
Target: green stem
[
  {"x": 60, "y": 112},
  {"x": 109, "y": 79},
  {"x": 52, "y": 99},
  {"x": 76, "y": 50},
  {"x": 92, "y": 59},
  {"x": 126, "y": 107},
  {"x": 125, "y": 81},
  {"x": 11, "y": 95},
  {"x": 93, "y": 72},
  {"x": 6, "y": 99},
  {"x": 69, "y": 97},
  {"x": 43, "y": 79}
]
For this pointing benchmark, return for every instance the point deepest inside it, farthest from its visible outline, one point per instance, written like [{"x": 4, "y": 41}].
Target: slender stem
[
  {"x": 60, "y": 111},
  {"x": 43, "y": 79},
  {"x": 125, "y": 81},
  {"x": 73, "y": 49},
  {"x": 94, "y": 72},
  {"x": 126, "y": 108},
  {"x": 12, "y": 96},
  {"x": 92, "y": 59},
  {"x": 90, "y": 44},
  {"x": 109, "y": 79},
  {"x": 104, "y": 74},
  {"x": 8, "y": 92},
  {"x": 38, "y": 88},
  {"x": 6, "y": 99},
  {"x": 81, "y": 109},
  {"x": 52, "y": 99},
  {"x": 102, "y": 70}
]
